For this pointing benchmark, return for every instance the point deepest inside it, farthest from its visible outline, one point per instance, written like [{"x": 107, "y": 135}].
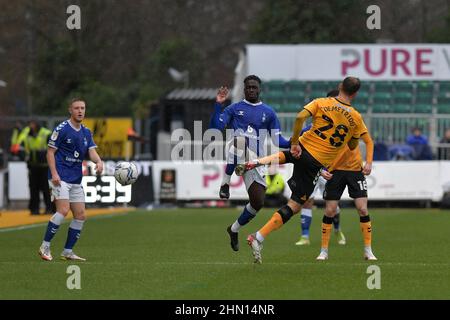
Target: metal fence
[{"x": 394, "y": 128}]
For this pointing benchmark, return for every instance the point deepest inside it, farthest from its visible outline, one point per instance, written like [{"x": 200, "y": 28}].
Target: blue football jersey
[
  {"x": 251, "y": 120},
  {"x": 73, "y": 146}
]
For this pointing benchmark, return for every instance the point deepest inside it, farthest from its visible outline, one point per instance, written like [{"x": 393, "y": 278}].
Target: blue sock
[
  {"x": 336, "y": 222},
  {"x": 73, "y": 234},
  {"x": 306, "y": 218},
  {"x": 72, "y": 237},
  {"x": 51, "y": 231},
  {"x": 248, "y": 214},
  {"x": 230, "y": 169},
  {"x": 306, "y": 223}
]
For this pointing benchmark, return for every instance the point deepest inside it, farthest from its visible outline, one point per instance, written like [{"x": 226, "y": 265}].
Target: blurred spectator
[
  {"x": 275, "y": 189},
  {"x": 35, "y": 139},
  {"x": 419, "y": 143},
  {"x": 444, "y": 152},
  {"x": 380, "y": 151},
  {"x": 17, "y": 149},
  {"x": 401, "y": 152}
]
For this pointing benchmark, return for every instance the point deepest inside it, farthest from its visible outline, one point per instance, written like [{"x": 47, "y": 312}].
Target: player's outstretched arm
[
  {"x": 93, "y": 155},
  {"x": 276, "y": 158}
]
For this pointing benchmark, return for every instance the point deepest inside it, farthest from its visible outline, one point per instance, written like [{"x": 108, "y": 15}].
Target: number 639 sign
[{"x": 105, "y": 189}]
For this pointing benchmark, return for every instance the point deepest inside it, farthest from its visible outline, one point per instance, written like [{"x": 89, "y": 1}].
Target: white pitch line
[
  {"x": 214, "y": 263},
  {"x": 312, "y": 263},
  {"x": 37, "y": 225}
]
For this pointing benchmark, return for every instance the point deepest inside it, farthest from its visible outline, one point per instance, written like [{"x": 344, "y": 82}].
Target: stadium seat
[
  {"x": 322, "y": 86},
  {"x": 443, "y": 97},
  {"x": 381, "y": 108},
  {"x": 383, "y": 86},
  {"x": 275, "y": 85},
  {"x": 422, "y": 108},
  {"x": 405, "y": 86},
  {"x": 401, "y": 108},
  {"x": 292, "y": 107},
  {"x": 381, "y": 97},
  {"x": 362, "y": 97},
  {"x": 276, "y": 106},
  {"x": 361, "y": 107},
  {"x": 444, "y": 86},
  {"x": 317, "y": 94},
  {"x": 295, "y": 96},
  {"x": 296, "y": 85},
  {"x": 424, "y": 97},
  {"x": 402, "y": 97},
  {"x": 273, "y": 96},
  {"x": 443, "y": 108},
  {"x": 272, "y": 102},
  {"x": 333, "y": 85},
  {"x": 425, "y": 86}
]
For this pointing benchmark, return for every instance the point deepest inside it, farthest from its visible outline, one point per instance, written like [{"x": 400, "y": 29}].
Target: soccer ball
[{"x": 126, "y": 173}]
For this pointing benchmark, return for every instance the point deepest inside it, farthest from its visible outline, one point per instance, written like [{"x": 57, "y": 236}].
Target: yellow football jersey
[
  {"x": 334, "y": 124},
  {"x": 348, "y": 160}
]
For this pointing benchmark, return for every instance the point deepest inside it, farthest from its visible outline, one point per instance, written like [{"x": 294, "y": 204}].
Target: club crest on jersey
[
  {"x": 240, "y": 113},
  {"x": 76, "y": 154},
  {"x": 54, "y": 135}
]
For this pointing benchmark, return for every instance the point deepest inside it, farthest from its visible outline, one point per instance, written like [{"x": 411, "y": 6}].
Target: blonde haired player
[{"x": 68, "y": 146}]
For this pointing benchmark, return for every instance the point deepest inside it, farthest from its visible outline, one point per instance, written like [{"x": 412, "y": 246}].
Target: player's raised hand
[
  {"x": 296, "y": 150},
  {"x": 56, "y": 180},
  {"x": 367, "y": 169},
  {"x": 99, "y": 167},
  {"x": 222, "y": 94}
]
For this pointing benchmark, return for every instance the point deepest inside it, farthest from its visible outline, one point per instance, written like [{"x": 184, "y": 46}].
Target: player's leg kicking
[{"x": 305, "y": 174}]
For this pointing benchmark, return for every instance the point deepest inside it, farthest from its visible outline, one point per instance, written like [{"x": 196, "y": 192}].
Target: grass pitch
[{"x": 185, "y": 254}]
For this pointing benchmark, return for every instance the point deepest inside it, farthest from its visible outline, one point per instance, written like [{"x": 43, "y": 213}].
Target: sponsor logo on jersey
[
  {"x": 240, "y": 113},
  {"x": 54, "y": 135},
  {"x": 76, "y": 154},
  {"x": 69, "y": 140}
]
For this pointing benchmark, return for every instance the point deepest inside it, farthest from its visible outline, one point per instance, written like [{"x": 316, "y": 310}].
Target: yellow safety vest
[
  {"x": 35, "y": 146},
  {"x": 275, "y": 185}
]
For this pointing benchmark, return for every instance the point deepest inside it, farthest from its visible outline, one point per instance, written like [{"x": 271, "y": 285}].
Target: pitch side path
[{"x": 184, "y": 254}]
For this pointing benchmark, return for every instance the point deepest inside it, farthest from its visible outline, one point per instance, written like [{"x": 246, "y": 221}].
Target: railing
[{"x": 392, "y": 128}]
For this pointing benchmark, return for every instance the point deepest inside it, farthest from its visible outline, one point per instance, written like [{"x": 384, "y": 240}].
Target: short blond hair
[{"x": 75, "y": 99}]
